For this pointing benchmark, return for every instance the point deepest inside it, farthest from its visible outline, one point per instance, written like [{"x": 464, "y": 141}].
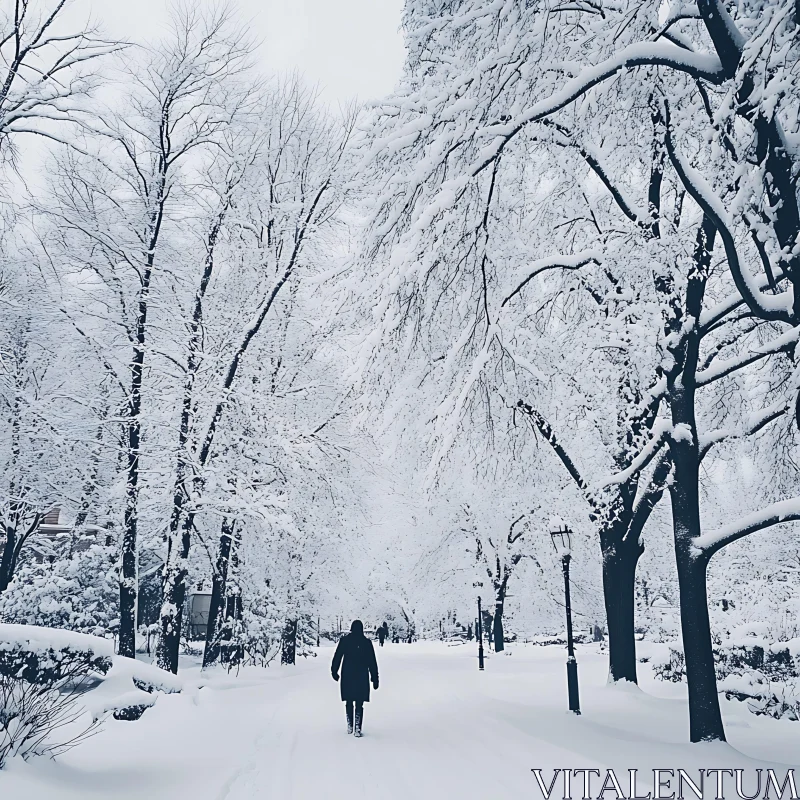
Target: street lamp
[{"x": 562, "y": 542}]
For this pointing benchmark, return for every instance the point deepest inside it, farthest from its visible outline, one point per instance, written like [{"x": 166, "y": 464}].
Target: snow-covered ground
[{"x": 436, "y": 728}]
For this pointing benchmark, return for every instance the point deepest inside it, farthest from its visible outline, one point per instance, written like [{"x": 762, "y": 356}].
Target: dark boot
[
  {"x": 348, "y": 708},
  {"x": 359, "y": 719}
]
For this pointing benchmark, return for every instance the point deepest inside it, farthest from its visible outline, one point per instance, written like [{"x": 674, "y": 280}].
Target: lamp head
[{"x": 562, "y": 540}]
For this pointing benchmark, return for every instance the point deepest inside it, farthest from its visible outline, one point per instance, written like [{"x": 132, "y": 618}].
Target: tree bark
[
  {"x": 7, "y": 562},
  {"x": 129, "y": 577},
  {"x": 497, "y": 630},
  {"x": 620, "y": 558},
  {"x": 705, "y": 718},
  {"x": 218, "y": 592},
  {"x": 289, "y": 642},
  {"x": 499, "y": 606},
  {"x": 128, "y": 583},
  {"x": 13, "y": 540},
  {"x": 175, "y": 573}
]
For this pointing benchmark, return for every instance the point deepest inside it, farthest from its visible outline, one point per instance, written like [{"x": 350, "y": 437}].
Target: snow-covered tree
[
  {"x": 472, "y": 208},
  {"x": 79, "y": 593}
]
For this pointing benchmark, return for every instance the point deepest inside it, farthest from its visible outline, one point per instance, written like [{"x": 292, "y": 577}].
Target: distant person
[
  {"x": 359, "y": 666},
  {"x": 383, "y": 633}
]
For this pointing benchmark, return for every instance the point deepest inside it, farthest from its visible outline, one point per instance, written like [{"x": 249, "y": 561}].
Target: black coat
[{"x": 359, "y": 666}]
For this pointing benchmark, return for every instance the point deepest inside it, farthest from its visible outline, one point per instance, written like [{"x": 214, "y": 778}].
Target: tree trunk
[
  {"x": 231, "y": 654},
  {"x": 497, "y": 628},
  {"x": 7, "y": 562},
  {"x": 129, "y": 573},
  {"x": 289, "y": 642},
  {"x": 620, "y": 558},
  {"x": 705, "y": 718},
  {"x": 128, "y": 582},
  {"x": 175, "y": 573},
  {"x": 218, "y": 593},
  {"x": 13, "y": 543}
]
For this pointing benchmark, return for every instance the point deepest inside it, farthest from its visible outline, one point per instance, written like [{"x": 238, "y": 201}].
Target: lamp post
[
  {"x": 480, "y": 635},
  {"x": 562, "y": 542}
]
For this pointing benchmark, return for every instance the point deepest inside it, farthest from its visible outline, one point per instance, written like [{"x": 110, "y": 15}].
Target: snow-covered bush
[
  {"x": 773, "y": 698},
  {"x": 777, "y": 661},
  {"x": 41, "y": 681},
  {"x": 259, "y": 632},
  {"x": 670, "y": 664},
  {"x": 80, "y": 593},
  {"x": 763, "y": 674},
  {"x": 32, "y": 713}
]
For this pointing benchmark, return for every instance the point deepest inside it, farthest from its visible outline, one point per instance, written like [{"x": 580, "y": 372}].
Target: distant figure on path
[
  {"x": 383, "y": 633},
  {"x": 359, "y": 666}
]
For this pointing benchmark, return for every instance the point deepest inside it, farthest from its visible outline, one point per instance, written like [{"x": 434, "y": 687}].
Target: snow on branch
[
  {"x": 549, "y": 434},
  {"x": 570, "y": 262},
  {"x": 716, "y": 314},
  {"x": 643, "y": 54},
  {"x": 594, "y": 161},
  {"x": 675, "y": 16},
  {"x": 719, "y": 369},
  {"x": 753, "y": 425},
  {"x": 512, "y": 537},
  {"x": 771, "y": 308},
  {"x": 647, "y": 499},
  {"x": 774, "y": 514},
  {"x": 42, "y": 77},
  {"x": 661, "y": 430}
]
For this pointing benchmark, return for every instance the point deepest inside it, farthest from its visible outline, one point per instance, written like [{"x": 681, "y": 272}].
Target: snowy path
[{"x": 436, "y": 728}]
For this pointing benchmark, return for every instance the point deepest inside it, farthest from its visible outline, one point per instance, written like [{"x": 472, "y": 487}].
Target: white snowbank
[{"x": 34, "y": 639}]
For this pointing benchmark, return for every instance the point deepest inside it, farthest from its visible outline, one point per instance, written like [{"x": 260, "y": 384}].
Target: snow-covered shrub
[
  {"x": 545, "y": 639},
  {"x": 40, "y": 684},
  {"x": 80, "y": 593},
  {"x": 781, "y": 701},
  {"x": 670, "y": 664},
  {"x": 762, "y": 674},
  {"x": 31, "y": 715},
  {"x": 306, "y": 636},
  {"x": 773, "y": 698},
  {"x": 258, "y": 633},
  {"x": 778, "y": 661}
]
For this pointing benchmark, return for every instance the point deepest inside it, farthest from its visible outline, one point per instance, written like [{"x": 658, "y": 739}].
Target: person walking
[
  {"x": 383, "y": 633},
  {"x": 356, "y": 657}
]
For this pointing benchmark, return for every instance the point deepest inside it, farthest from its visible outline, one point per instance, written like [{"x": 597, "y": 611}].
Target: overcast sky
[{"x": 350, "y": 47}]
